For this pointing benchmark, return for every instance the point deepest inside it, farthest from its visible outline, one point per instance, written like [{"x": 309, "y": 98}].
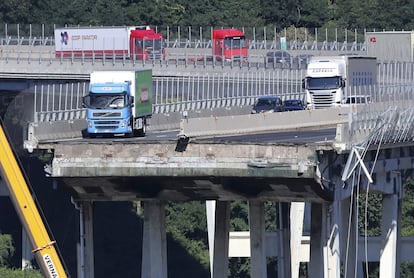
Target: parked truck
[
  {"x": 118, "y": 102},
  {"x": 133, "y": 42},
  {"x": 330, "y": 80},
  {"x": 45, "y": 250},
  {"x": 391, "y": 45},
  {"x": 230, "y": 45}
]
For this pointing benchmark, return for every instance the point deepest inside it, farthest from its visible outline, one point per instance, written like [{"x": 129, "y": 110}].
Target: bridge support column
[
  {"x": 390, "y": 231},
  {"x": 258, "y": 264},
  {"x": 27, "y": 254},
  {"x": 349, "y": 230},
  {"x": 154, "y": 253},
  {"x": 284, "y": 258},
  {"x": 218, "y": 222},
  {"x": 318, "y": 240},
  {"x": 297, "y": 212},
  {"x": 85, "y": 250},
  {"x": 332, "y": 256}
]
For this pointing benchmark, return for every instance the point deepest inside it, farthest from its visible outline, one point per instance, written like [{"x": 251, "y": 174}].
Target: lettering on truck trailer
[
  {"x": 50, "y": 266},
  {"x": 89, "y": 37}
]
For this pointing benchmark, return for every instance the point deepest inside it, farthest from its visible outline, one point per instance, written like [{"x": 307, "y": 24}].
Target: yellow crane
[{"x": 44, "y": 248}]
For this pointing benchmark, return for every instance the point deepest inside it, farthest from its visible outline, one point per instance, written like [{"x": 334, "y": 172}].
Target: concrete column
[
  {"x": 257, "y": 240},
  {"x": 349, "y": 230},
  {"x": 85, "y": 252},
  {"x": 297, "y": 211},
  {"x": 218, "y": 213},
  {"x": 154, "y": 253},
  {"x": 284, "y": 259},
  {"x": 88, "y": 214},
  {"x": 211, "y": 223},
  {"x": 318, "y": 238},
  {"x": 332, "y": 254},
  {"x": 27, "y": 248},
  {"x": 390, "y": 231}
]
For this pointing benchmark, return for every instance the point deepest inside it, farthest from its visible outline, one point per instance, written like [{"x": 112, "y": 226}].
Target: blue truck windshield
[
  {"x": 104, "y": 101},
  {"x": 323, "y": 83}
]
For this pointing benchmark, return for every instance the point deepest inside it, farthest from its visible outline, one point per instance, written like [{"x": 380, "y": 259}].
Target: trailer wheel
[{"x": 141, "y": 132}]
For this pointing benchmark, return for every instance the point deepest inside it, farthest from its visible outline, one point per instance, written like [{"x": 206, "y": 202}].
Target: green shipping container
[{"x": 143, "y": 93}]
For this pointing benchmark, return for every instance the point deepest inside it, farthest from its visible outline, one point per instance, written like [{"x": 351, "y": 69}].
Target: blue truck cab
[{"x": 112, "y": 100}]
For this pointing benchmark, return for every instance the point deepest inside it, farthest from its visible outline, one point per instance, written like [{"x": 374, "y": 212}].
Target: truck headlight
[{"x": 123, "y": 124}]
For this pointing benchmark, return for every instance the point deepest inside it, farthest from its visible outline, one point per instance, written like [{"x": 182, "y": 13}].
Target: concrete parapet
[{"x": 263, "y": 122}]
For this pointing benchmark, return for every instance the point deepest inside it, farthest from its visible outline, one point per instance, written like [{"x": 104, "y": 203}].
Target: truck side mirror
[
  {"x": 131, "y": 101},
  {"x": 86, "y": 100},
  {"x": 304, "y": 83},
  {"x": 343, "y": 83}
]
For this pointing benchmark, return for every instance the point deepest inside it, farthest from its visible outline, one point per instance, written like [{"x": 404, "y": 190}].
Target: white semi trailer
[{"x": 391, "y": 45}]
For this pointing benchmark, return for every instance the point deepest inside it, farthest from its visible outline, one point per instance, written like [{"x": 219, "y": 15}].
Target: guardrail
[
  {"x": 263, "y": 122},
  {"x": 197, "y": 90}
]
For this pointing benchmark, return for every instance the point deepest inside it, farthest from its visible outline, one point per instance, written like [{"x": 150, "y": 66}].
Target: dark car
[
  {"x": 293, "y": 105},
  {"x": 303, "y": 60},
  {"x": 268, "y": 104},
  {"x": 278, "y": 57}
]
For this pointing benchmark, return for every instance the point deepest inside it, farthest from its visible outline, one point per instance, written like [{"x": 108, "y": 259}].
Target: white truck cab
[{"x": 329, "y": 78}]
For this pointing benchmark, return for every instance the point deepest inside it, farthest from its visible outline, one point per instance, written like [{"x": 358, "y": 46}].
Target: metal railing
[
  {"x": 205, "y": 90},
  {"x": 389, "y": 118},
  {"x": 330, "y": 39}
]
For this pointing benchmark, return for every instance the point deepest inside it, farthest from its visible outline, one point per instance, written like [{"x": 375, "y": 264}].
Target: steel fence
[
  {"x": 331, "y": 39},
  {"x": 206, "y": 90},
  {"x": 387, "y": 119}
]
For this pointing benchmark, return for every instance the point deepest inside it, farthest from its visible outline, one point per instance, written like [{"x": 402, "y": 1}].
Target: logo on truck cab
[{"x": 318, "y": 70}]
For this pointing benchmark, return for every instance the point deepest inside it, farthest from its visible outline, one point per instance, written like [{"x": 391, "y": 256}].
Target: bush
[
  {"x": 18, "y": 273},
  {"x": 6, "y": 249}
]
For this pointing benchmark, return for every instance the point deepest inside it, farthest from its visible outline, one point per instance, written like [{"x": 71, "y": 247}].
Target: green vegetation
[
  {"x": 345, "y": 14},
  {"x": 6, "y": 249},
  {"x": 18, "y": 273},
  {"x": 186, "y": 222}
]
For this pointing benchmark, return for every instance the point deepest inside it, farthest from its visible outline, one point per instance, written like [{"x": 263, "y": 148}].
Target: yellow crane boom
[{"x": 28, "y": 212}]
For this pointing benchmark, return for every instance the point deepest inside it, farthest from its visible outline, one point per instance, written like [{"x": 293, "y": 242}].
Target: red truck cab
[
  {"x": 146, "y": 44},
  {"x": 230, "y": 45}
]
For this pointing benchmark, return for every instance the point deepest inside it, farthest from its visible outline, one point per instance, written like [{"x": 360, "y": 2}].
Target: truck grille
[
  {"x": 106, "y": 125},
  {"x": 106, "y": 114},
  {"x": 322, "y": 100},
  {"x": 106, "y": 122},
  {"x": 155, "y": 55}
]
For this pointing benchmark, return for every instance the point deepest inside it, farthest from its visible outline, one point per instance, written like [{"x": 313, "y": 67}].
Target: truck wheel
[{"x": 141, "y": 132}]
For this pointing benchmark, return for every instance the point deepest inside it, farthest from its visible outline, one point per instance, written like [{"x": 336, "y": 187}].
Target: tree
[
  {"x": 312, "y": 14},
  {"x": 108, "y": 12},
  {"x": 6, "y": 249},
  {"x": 186, "y": 223},
  {"x": 16, "y": 11}
]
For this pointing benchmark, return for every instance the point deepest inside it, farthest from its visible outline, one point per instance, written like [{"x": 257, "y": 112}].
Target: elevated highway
[
  {"x": 204, "y": 161},
  {"x": 219, "y": 168}
]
